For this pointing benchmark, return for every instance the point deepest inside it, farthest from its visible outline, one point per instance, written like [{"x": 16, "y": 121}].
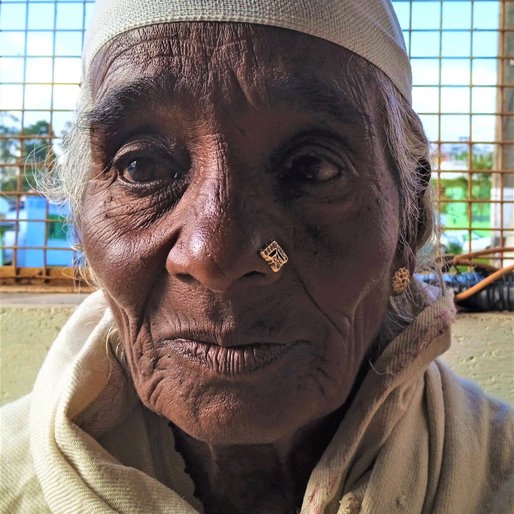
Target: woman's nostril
[
  {"x": 254, "y": 274},
  {"x": 185, "y": 277}
]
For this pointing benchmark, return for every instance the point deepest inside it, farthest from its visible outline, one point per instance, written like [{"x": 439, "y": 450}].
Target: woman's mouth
[{"x": 229, "y": 360}]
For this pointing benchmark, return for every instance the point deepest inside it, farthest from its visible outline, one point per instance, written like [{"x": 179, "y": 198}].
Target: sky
[{"x": 455, "y": 70}]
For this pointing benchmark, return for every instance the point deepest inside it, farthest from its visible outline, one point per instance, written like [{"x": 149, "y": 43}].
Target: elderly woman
[{"x": 249, "y": 183}]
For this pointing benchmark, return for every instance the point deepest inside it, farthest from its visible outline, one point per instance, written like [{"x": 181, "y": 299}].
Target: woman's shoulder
[
  {"x": 20, "y": 491},
  {"x": 477, "y": 436},
  {"x": 489, "y": 415}
]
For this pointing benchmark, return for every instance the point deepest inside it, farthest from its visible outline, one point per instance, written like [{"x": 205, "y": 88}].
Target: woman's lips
[{"x": 231, "y": 360}]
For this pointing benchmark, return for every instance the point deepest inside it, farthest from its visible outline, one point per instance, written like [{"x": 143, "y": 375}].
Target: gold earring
[
  {"x": 401, "y": 280},
  {"x": 274, "y": 255}
]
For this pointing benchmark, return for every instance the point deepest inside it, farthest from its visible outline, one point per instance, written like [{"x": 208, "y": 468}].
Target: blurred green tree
[{"x": 22, "y": 156}]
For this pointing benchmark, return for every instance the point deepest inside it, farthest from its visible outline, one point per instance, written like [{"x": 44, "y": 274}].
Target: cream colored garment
[
  {"x": 414, "y": 441},
  {"x": 368, "y": 28}
]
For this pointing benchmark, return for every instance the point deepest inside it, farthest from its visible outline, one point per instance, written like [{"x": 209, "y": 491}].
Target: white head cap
[{"x": 368, "y": 28}]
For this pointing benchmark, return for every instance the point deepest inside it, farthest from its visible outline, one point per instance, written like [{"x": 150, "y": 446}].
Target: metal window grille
[
  {"x": 462, "y": 55},
  {"x": 40, "y": 48}
]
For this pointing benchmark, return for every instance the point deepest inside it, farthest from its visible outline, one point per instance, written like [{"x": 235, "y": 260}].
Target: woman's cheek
[{"x": 120, "y": 255}]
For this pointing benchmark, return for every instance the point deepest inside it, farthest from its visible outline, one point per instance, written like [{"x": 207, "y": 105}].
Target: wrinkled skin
[{"x": 210, "y": 141}]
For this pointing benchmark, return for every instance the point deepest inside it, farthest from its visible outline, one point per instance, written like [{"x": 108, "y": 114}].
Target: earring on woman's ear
[{"x": 401, "y": 280}]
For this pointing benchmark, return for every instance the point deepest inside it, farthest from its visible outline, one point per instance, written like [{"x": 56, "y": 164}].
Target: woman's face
[{"x": 209, "y": 142}]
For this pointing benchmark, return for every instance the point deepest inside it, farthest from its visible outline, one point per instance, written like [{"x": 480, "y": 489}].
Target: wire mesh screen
[
  {"x": 462, "y": 55},
  {"x": 40, "y": 47}
]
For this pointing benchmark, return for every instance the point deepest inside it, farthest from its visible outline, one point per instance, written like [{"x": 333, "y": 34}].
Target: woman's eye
[
  {"x": 144, "y": 169},
  {"x": 314, "y": 169}
]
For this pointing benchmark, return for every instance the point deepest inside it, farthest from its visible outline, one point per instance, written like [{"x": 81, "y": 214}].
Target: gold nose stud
[{"x": 274, "y": 255}]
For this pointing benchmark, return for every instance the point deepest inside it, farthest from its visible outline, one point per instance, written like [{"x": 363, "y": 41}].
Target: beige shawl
[{"x": 416, "y": 438}]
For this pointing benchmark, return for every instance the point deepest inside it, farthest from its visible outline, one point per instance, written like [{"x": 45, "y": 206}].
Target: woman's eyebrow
[
  {"x": 312, "y": 94},
  {"x": 119, "y": 102},
  {"x": 297, "y": 92}
]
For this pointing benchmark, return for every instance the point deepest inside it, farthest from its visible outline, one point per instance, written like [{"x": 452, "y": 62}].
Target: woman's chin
[
  {"x": 221, "y": 414},
  {"x": 241, "y": 394}
]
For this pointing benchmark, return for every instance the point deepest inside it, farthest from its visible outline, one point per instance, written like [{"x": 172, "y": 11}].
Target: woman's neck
[{"x": 264, "y": 478}]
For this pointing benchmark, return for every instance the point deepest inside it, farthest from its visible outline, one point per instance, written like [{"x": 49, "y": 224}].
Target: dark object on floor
[{"x": 498, "y": 296}]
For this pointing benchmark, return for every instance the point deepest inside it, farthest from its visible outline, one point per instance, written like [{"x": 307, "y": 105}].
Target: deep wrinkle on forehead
[
  {"x": 251, "y": 76},
  {"x": 293, "y": 92}
]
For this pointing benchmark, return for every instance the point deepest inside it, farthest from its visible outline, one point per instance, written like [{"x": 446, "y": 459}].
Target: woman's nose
[{"x": 218, "y": 247}]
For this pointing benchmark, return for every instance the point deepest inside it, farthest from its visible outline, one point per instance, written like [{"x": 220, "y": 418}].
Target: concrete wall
[
  {"x": 482, "y": 348},
  {"x": 28, "y": 325}
]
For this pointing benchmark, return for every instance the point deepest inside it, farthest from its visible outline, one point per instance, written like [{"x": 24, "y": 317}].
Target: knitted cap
[{"x": 368, "y": 28}]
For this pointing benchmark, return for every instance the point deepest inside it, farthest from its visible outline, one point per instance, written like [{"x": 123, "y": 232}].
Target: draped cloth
[{"x": 416, "y": 439}]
